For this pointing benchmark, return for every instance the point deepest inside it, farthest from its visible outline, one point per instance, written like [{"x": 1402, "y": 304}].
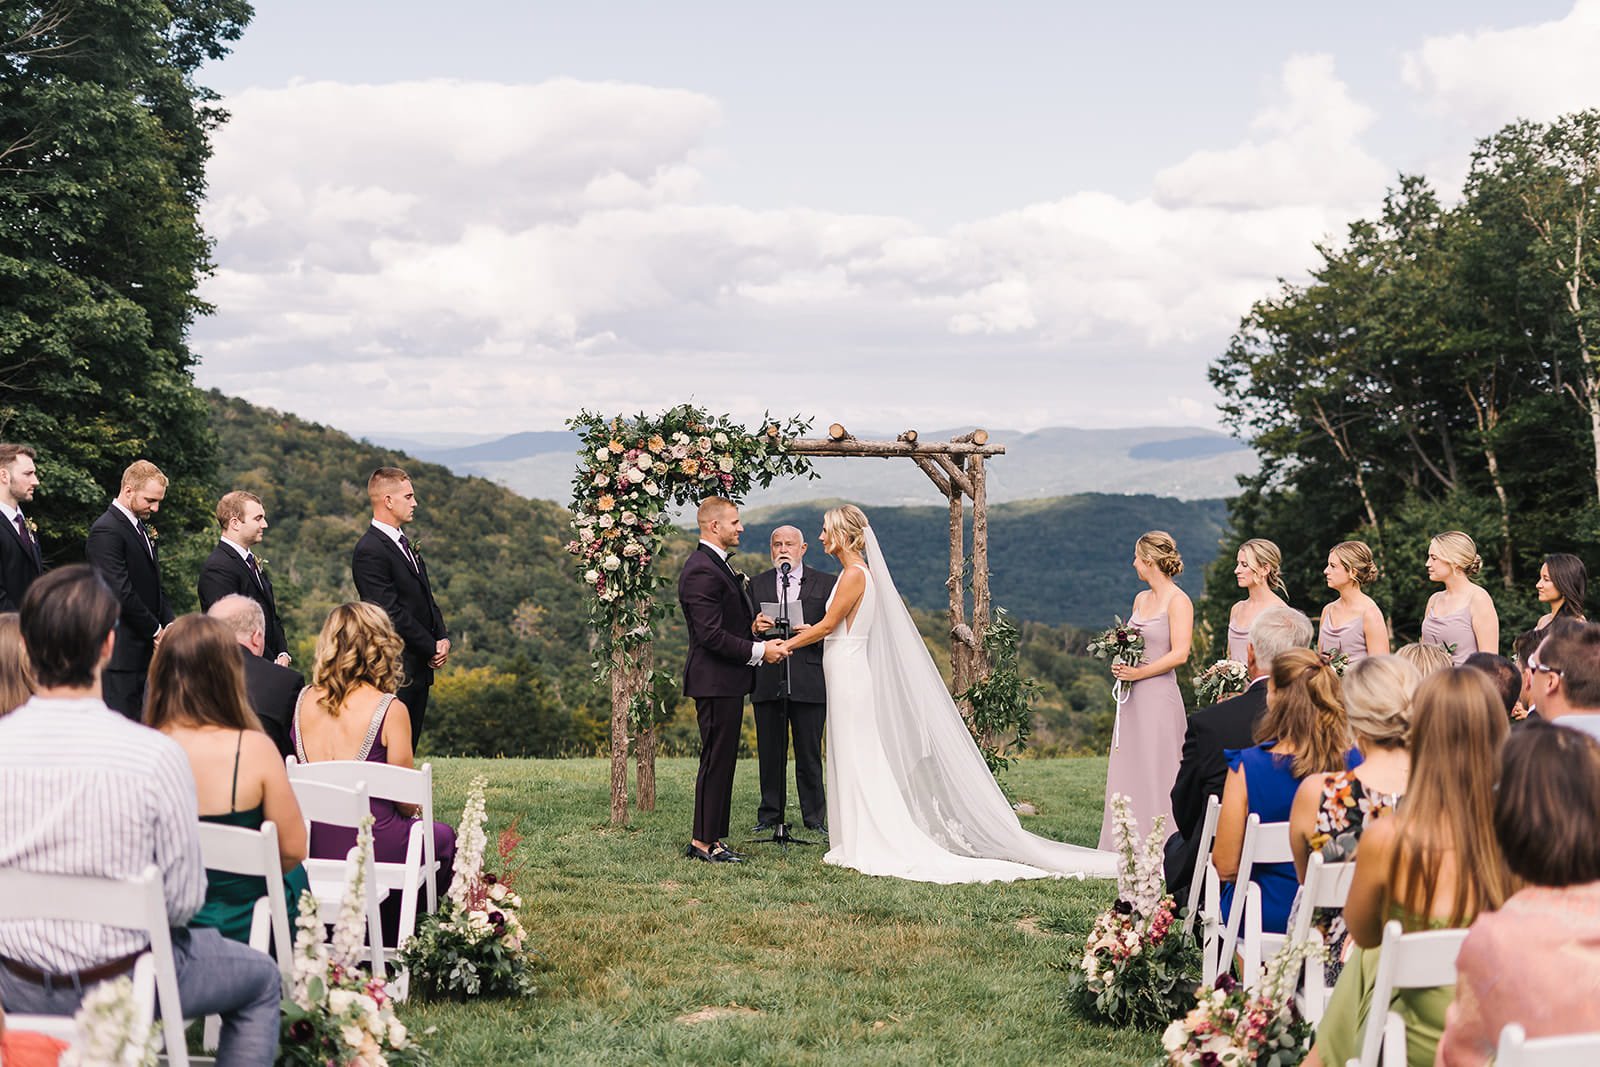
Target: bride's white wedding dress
[{"x": 909, "y": 794}]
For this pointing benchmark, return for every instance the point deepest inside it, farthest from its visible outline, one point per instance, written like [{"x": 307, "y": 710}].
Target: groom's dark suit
[
  {"x": 130, "y": 565},
  {"x": 804, "y": 712},
  {"x": 717, "y": 674},
  {"x": 224, "y": 573}
]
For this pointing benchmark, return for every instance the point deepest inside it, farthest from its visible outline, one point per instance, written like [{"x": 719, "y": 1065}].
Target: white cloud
[
  {"x": 1490, "y": 77},
  {"x": 469, "y": 255}
]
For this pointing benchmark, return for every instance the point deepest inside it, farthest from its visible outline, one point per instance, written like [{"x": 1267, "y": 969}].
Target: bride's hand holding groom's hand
[{"x": 775, "y": 652}]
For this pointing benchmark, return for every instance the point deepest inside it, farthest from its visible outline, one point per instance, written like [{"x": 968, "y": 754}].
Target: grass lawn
[{"x": 793, "y": 961}]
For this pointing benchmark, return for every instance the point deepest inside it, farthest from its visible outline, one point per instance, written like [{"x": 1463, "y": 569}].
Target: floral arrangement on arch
[
  {"x": 1138, "y": 966},
  {"x": 338, "y": 1014},
  {"x": 475, "y": 945},
  {"x": 630, "y": 471}
]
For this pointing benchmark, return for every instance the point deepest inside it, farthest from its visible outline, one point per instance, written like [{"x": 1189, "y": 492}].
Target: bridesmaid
[
  {"x": 1258, "y": 569},
  {"x": 1352, "y": 624},
  {"x": 1148, "y": 737},
  {"x": 1461, "y": 617},
  {"x": 1563, "y": 584}
]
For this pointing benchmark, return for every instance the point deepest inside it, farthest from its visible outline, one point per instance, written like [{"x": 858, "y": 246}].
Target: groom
[{"x": 719, "y": 670}]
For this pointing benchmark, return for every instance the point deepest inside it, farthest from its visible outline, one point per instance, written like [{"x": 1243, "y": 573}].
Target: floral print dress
[{"x": 1347, "y": 807}]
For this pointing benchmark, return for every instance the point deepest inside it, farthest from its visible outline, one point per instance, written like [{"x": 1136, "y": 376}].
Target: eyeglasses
[{"x": 1539, "y": 668}]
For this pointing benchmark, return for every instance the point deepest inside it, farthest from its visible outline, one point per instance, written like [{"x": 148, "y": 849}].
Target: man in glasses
[{"x": 1566, "y": 678}]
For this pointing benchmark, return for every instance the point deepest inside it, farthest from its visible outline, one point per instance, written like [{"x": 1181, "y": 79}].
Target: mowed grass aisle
[{"x": 783, "y": 960}]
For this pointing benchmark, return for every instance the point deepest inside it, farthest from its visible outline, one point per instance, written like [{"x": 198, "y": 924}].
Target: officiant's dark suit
[
  {"x": 129, "y": 560},
  {"x": 804, "y": 713},
  {"x": 225, "y": 572},
  {"x": 1203, "y": 771},
  {"x": 718, "y": 671}
]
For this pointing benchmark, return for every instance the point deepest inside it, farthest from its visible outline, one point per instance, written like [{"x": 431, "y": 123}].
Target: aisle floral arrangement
[
  {"x": 337, "y": 1015},
  {"x": 109, "y": 1032},
  {"x": 1231, "y": 1026},
  {"x": 475, "y": 945},
  {"x": 1138, "y": 966},
  {"x": 1223, "y": 679}
]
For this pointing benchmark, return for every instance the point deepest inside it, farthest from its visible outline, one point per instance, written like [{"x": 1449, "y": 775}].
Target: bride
[{"x": 909, "y": 794}]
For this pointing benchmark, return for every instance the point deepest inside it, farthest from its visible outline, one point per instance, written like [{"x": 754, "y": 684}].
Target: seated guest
[
  {"x": 23, "y": 1048},
  {"x": 350, "y": 712},
  {"x": 1427, "y": 659},
  {"x": 1304, "y": 732},
  {"x": 1536, "y": 961},
  {"x": 272, "y": 688},
  {"x": 1566, "y": 676},
  {"x": 1504, "y": 676},
  {"x": 1526, "y": 650},
  {"x": 1434, "y": 864},
  {"x": 16, "y": 683},
  {"x": 1231, "y": 723},
  {"x": 196, "y": 697},
  {"x": 1331, "y": 810},
  {"x": 84, "y": 791}
]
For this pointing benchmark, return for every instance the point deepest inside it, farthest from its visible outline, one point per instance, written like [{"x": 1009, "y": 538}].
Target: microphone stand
[{"x": 780, "y": 833}]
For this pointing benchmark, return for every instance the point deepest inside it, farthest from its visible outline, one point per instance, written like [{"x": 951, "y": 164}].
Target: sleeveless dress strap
[
  {"x": 233, "y": 790},
  {"x": 295, "y": 730},
  {"x": 374, "y": 726}
]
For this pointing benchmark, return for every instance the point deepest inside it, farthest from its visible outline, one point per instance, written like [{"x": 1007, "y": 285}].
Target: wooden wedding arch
[{"x": 957, "y": 469}]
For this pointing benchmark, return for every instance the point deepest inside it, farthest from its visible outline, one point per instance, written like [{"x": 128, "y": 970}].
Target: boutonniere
[
  {"x": 32, "y": 526},
  {"x": 261, "y": 564},
  {"x": 152, "y": 533}
]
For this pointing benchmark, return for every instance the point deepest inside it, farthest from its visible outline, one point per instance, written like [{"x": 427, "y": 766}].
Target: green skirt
[{"x": 1345, "y": 1023}]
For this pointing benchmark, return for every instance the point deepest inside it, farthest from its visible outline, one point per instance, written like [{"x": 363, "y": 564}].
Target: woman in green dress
[
  {"x": 197, "y": 697},
  {"x": 1435, "y": 864}
]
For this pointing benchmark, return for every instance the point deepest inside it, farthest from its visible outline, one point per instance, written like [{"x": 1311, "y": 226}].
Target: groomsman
[
  {"x": 123, "y": 549},
  {"x": 390, "y": 572},
  {"x": 791, "y": 696},
  {"x": 20, "y": 559},
  {"x": 233, "y": 567}
]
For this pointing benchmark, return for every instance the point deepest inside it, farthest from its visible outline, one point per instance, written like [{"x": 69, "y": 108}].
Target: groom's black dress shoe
[
  {"x": 721, "y": 853},
  {"x": 694, "y": 852},
  {"x": 818, "y": 827}
]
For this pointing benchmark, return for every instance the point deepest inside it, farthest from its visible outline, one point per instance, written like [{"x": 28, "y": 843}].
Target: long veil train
[{"x": 941, "y": 774}]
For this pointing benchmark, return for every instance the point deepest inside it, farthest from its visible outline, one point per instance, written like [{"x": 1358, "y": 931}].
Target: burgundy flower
[
  {"x": 490, "y": 879},
  {"x": 497, "y": 918},
  {"x": 1226, "y": 983},
  {"x": 301, "y": 1031}
]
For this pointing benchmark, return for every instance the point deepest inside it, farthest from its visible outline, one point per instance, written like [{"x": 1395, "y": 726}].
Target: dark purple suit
[{"x": 717, "y": 674}]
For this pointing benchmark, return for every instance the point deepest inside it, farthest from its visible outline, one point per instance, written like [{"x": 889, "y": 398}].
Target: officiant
[{"x": 790, "y": 697}]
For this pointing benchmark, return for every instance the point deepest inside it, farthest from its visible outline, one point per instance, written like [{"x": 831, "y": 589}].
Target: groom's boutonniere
[{"x": 32, "y": 526}]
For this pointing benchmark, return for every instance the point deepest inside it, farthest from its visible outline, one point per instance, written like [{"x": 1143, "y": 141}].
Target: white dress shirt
[
  {"x": 85, "y": 791},
  {"x": 757, "y": 650},
  {"x": 138, "y": 526},
  {"x": 394, "y": 534}
]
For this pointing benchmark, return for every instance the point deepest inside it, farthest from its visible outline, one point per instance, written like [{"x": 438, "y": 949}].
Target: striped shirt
[{"x": 85, "y": 791}]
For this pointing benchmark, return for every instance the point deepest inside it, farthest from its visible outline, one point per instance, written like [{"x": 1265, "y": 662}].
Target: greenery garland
[{"x": 630, "y": 470}]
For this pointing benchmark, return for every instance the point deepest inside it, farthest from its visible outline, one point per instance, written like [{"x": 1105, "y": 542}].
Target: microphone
[{"x": 784, "y": 568}]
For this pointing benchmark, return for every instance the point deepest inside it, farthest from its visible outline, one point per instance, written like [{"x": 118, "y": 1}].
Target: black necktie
[
  {"x": 255, "y": 571},
  {"x": 149, "y": 545},
  {"x": 411, "y": 558},
  {"x": 22, "y": 530}
]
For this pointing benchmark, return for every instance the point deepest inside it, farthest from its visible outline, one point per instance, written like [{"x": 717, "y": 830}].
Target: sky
[{"x": 482, "y": 217}]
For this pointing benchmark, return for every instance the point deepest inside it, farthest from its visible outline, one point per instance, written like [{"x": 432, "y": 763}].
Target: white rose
[
  {"x": 725, "y": 464},
  {"x": 497, "y": 892},
  {"x": 606, "y": 522},
  {"x": 352, "y": 1036},
  {"x": 721, "y": 438},
  {"x": 681, "y": 437},
  {"x": 704, "y": 444},
  {"x": 1175, "y": 1037},
  {"x": 645, "y": 461},
  {"x": 397, "y": 1034},
  {"x": 611, "y": 563},
  {"x": 591, "y": 576},
  {"x": 340, "y": 1001},
  {"x": 636, "y": 476},
  {"x": 586, "y": 534},
  {"x": 629, "y": 518},
  {"x": 603, "y": 455},
  {"x": 652, "y": 488},
  {"x": 610, "y": 593},
  {"x": 602, "y": 480}
]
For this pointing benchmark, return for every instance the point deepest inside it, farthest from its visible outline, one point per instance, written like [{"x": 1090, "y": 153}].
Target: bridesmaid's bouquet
[
  {"x": 1337, "y": 658},
  {"x": 1121, "y": 643},
  {"x": 1223, "y": 679}
]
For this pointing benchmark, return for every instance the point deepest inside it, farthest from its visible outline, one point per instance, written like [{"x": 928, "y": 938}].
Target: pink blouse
[{"x": 1536, "y": 961}]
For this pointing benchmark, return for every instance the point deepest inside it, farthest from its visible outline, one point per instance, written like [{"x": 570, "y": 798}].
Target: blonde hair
[
  {"x": 1427, "y": 659},
  {"x": 141, "y": 471},
  {"x": 1377, "y": 699},
  {"x": 358, "y": 645},
  {"x": 231, "y": 506},
  {"x": 848, "y": 525},
  {"x": 382, "y": 481},
  {"x": 712, "y": 508},
  {"x": 1305, "y": 708},
  {"x": 1458, "y": 550},
  {"x": 1158, "y": 549},
  {"x": 16, "y": 677},
  {"x": 1267, "y": 558},
  {"x": 1357, "y": 559}
]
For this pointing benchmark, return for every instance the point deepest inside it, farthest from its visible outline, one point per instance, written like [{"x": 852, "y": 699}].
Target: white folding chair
[
  {"x": 1256, "y": 944},
  {"x": 1517, "y": 1049},
  {"x": 127, "y": 903},
  {"x": 1208, "y": 833},
  {"x": 400, "y": 785},
  {"x": 1205, "y": 894},
  {"x": 346, "y": 807},
  {"x": 1406, "y": 961},
  {"x": 1261, "y": 840},
  {"x": 236, "y": 850},
  {"x": 1327, "y": 885}
]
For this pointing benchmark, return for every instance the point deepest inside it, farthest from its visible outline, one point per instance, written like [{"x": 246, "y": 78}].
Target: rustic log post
[
  {"x": 980, "y": 557},
  {"x": 645, "y": 748},
  {"x": 621, "y": 697},
  {"x": 960, "y": 673}
]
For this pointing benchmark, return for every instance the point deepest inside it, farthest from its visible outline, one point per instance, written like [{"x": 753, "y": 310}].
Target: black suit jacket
[
  {"x": 1203, "y": 771},
  {"x": 225, "y": 573},
  {"x": 384, "y": 577},
  {"x": 805, "y": 666},
  {"x": 20, "y": 564},
  {"x": 719, "y": 613},
  {"x": 272, "y": 690},
  {"x": 118, "y": 552}
]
